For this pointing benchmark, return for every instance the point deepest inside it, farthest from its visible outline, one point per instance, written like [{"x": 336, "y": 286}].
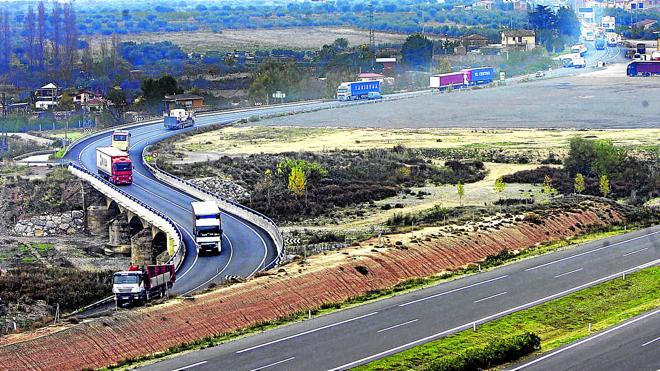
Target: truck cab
[
  {"x": 207, "y": 227},
  {"x": 128, "y": 286},
  {"x": 141, "y": 283},
  {"x": 114, "y": 165}
]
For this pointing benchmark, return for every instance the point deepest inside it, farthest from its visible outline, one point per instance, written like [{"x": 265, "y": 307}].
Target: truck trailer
[
  {"x": 480, "y": 75},
  {"x": 114, "y": 165},
  {"x": 141, "y": 283},
  {"x": 643, "y": 68},
  {"x": 357, "y": 90},
  {"x": 207, "y": 227},
  {"x": 455, "y": 80},
  {"x": 600, "y": 43},
  {"x": 580, "y": 49},
  {"x": 178, "y": 118}
]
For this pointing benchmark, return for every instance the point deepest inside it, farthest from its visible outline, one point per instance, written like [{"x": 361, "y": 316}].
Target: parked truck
[
  {"x": 207, "y": 227},
  {"x": 480, "y": 75},
  {"x": 178, "y": 118},
  {"x": 142, "y": 283},
  {"x": 114, "y": 165},
  {"x": 643, "y": 68},
  {"x": 357, "y": 90},
  {"x": 121, "y": 139}
]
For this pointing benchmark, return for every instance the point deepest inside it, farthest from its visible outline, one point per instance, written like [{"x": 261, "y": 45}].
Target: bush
[{"x": 495, "y": 353}]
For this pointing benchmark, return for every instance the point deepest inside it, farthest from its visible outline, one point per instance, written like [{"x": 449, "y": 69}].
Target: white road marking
[
  {"x": 488, "y": 318},
  {"x": 190, "y": 366},
  {"x": 586, "y": 340},
  {"x": 305, "y": 333},
  {"x": 564, "y": 274},
  {"x": 490, "y": 297},
  {"x": 273, "y": 364},
  {"x": 636, "y": 251},
  {"x": 231, "y": 255},
  {"x": 651, "y": 342},
  {"x": 589, "y": 252},
  {"x": 399, "y": 325},
  {"x": 196, "y": 255},
  {"x": 454, "y": 290}
]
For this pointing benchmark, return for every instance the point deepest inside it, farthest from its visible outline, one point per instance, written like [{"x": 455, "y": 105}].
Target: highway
[
  {"x": 355, "y": 336},
  {"x": 632, "y": 345},
  {"x": 246, "y": 248}
]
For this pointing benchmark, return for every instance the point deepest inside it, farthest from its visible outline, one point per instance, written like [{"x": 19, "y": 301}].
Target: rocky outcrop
[
  {"x": 349, "y": 273},
  {"x": 66, "y": 223},
  {"x": 224, "y": 188}
]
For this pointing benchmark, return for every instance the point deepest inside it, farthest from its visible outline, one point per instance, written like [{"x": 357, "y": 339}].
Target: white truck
[
  {"x": 178, "y": 118},
  {"x": 114, "y": 165},
  {"x": 207, "y": 227}
]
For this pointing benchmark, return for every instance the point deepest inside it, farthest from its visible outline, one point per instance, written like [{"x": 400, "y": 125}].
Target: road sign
[
  {"x": 502, "y": 76},
  {"x": 279, "y": 95},
  {"x": 154, "y": 155}
]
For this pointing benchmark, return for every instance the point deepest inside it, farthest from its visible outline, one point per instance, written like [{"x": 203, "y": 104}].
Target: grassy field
[
  {"x": 257, "y": 139},
  {"x": 557, "y": 322},
  {"x": 301, "y": 38}
]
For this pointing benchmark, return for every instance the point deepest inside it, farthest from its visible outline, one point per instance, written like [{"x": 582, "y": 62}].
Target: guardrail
[
  {"x": 139, "y": 208},
  {"x": 252, "y": 216}
]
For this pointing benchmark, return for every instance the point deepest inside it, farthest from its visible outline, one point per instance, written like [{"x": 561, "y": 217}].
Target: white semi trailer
[{"x": 207, "y": 227}]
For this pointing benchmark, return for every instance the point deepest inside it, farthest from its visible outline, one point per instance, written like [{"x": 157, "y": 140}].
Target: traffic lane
[
  {"x": 632, "y": 345},
  {"x": 488, "y": 298},
  {"x": 433, "y": 307}
]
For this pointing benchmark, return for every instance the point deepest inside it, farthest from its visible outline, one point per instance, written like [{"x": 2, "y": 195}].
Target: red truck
[
  {"x": 114, "y": 165},
  {"x": 141, "y": 283}
]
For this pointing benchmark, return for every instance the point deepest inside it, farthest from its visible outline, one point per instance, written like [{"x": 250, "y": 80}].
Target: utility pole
[
  {"x": 4, "y": 142},
  {"x": 372, "y": 36}
]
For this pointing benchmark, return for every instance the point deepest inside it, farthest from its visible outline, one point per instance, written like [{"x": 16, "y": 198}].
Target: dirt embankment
[{"x": 332, "y": 278}]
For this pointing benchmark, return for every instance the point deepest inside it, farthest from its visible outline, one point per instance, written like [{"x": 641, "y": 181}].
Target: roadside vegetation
[{"x": 543, "y": 327}]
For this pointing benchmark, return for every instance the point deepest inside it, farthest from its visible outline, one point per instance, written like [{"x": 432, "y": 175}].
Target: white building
[{"x": 46, "y": 97}]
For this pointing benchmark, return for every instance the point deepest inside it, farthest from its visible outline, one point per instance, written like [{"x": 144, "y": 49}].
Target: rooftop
[
  {"x": 518, "y": 33},
  {"x": 179, "y": 97}
]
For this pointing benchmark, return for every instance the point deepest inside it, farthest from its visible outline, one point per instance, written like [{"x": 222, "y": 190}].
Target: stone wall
[
  {"x": 222, "y": 187},
  {"x": 70, "y": 222}
]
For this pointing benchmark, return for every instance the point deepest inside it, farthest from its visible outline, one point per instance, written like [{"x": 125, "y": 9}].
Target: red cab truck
[
  {"x": 114, "y": 165},
  {"x": 141, "y": 283}
]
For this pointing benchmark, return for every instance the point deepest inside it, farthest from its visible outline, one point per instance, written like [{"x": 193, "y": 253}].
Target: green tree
[
  {"x": 500, "y": 186},
  {"x": 66, "y": 102},
  {"x": 461, "y": 192},
  {"x": 417, "y": 51},
  {"x": 117, "y": 97},
  {"x": 444, "y": 66},
  {"x": 154, "y": 90},
  {"x": 579, "y": 183},
  {"x": 593, "y": 157},
  {"x": 604, "y": 185},
  {"x": 276, "y": 75}
]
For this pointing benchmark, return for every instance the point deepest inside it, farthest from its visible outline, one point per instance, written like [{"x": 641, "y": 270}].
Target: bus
[{"x": 121, "y": 139}]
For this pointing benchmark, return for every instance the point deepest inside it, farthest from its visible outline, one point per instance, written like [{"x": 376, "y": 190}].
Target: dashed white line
[
  {"x": 454, "y": 290},
  {"x": 651, "y": 342},
  {"x": 273, "y": 364},
  {"x": 399, "y": 325},
  {"x": 231, "y": 255},
  {"x": 561, "y": 350},
  {"x": 567, "y": 273},
  {"x": 490, "y": 297},
  {"x": 589, "y": 252},
  {"x": 190, "y": 366},
  {"x": 305, "y": 333},
  {"x": 635, "y": 252}
]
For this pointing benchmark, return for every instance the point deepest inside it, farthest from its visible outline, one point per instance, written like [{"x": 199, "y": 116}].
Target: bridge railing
[
  {"x": 258, "y": 219},
  {"x": 139, "y": 208}
]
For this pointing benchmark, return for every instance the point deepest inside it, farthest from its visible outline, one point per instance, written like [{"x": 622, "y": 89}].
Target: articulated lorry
[
  {"x": 142, "y": 283},
  {"x": 358, "y": 90},
  {"x": 207, "y": 227},
  {"x": 178, "y": 118},
  {"x": 643, "y": 68},
  {"x": 114, "y": 165}
]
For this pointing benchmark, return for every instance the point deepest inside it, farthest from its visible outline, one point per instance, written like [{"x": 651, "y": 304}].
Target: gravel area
[{"x": 600, "y": 99}]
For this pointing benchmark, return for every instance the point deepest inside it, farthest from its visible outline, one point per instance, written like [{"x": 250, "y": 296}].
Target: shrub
[{"x": 495, "y": 353}]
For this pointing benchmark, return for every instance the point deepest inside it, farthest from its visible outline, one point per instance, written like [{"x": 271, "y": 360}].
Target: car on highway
[
  {"x": 373, "y": 95},
  {"x": 539, "y": 74}
]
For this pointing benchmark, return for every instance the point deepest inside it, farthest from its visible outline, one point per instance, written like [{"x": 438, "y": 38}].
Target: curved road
[{"x": 246, "y": 249}]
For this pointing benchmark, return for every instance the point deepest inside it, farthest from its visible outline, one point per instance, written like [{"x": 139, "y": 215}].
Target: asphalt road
[
  {"x": 358, "y": 335},
  {"x": 632, "y": 345},
  {"x": 246, "y": 248}
]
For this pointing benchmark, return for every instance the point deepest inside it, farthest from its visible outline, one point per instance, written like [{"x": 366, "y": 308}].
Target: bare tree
[
  {"x": 56, "y": 37},
  {"x": 70, "y": 36},
  {"x": 41, "y": 34},
  {"x": 29, "y": 37},
  {"x": 6, "y": 42}
]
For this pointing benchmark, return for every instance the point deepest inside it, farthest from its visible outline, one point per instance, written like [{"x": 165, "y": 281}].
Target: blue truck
[
  {"x": 176, "y": 118},
  {"x": 600, "y": 43},
  {"x": 480, "y": 75},
  {"x": 358, "y": 90}
]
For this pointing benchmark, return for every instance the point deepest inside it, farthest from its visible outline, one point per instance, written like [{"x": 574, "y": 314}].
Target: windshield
[
  {"x": 124, "y": 279},
  {"x": 210, "y": 231},
  {"x": 120, "y": 137},
  {"x": 122, "y": 166}
]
